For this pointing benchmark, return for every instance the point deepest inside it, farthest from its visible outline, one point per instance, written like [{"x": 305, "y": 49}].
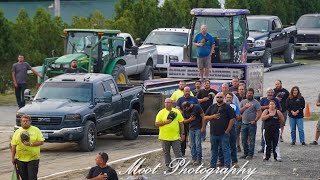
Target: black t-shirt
[
  {"x": 272, "y": 122},
  {"x": 197, "y": 123},
  {"x": 70, "y": 70},
  {"x": 219, "y": 126},
  {"x": 284, "y": 94},
  {"x": 240, "y": 98},
  {"x": 205, "y": 93},
  {"x": 95, "y": 171}
]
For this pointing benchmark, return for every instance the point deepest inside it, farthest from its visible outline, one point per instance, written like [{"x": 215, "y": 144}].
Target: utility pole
[{"x": 57, "y": 8}]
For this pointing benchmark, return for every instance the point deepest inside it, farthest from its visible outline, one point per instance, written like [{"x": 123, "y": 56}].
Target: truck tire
[
  {"x": 147, "y": 73},
  {"x": 119, "y": 74},
  {"x": 131, "y": 128},
  {"x": 289, "y": 54},
  {"x": 267, "y": 57},
  {"x": 89, "y": 139}
]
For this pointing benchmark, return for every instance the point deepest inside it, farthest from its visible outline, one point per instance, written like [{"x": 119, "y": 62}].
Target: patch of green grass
[
  {"x": 9, "y": 98},
  {"x": 313, "y": 117}
]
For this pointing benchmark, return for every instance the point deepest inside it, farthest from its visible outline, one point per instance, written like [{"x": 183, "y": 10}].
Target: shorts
[
  {"x": 318, "y": 126},
  {"x": 204, "y": 62},
  {"x": 285, "y": 116}
]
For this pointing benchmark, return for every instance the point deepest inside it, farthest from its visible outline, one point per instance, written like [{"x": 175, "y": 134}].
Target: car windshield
[
  {"x": 258, "y": 25},
  {"x": 309, "y": 22},
  {"x": 74, "y": 91},
  {"x": 167, "y": 38},
  {"x": 80, "y": 42}
]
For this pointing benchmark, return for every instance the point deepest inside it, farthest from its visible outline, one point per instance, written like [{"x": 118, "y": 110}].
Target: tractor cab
[
  {"x": 95, "y": 50},
  {"x": 229, "y": 29}
]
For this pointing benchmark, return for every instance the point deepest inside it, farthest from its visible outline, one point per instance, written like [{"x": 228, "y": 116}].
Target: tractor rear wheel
[{"x": 119, "y": 74}]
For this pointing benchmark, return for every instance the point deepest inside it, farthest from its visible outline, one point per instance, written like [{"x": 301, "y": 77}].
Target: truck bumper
[
  {"x": 160, "y": 71},
  {"x": 255, "y": 54},
  {"x": 307, "y": 47},
  {"x": 62, "y": 135}
]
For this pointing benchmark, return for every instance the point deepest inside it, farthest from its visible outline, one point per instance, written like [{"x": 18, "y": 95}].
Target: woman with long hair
[
  {"x": 272, "y": 119},
  {"x": 296, "y": 104}
]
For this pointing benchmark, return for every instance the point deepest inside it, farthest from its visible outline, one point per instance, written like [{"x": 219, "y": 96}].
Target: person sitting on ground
[
  {"x": 315, "y": 142},
  {"x": 73, "y": 67},
  {"x": 102, "y": 170}
]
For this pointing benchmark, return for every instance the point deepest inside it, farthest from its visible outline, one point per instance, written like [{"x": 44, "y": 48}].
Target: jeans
[
  {"x": 28, "y": 170},
  {"x": 166, "y": 145},
  {"x": 204, "y": 134},
  {"x": 224, "y": 142},
  {"x": 196, "y": 147},
  {"x": 272, "y": 136},
  {"x": 233, "y": 146},
  {"x": 293, "y": 123},
  {"x": 184, "y": 143},
  {"x": 248, "y": 133},
  {"x": 19, "y": 91}
]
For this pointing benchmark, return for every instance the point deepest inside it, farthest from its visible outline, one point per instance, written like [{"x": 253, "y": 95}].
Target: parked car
[
  {"x": 171, "y": 46},
  {"x": 308, "y": 37},
  {"x": 78, "y": 107},
  {"x": 267, "y": 37},
  {"x": 141, "y": 64}
]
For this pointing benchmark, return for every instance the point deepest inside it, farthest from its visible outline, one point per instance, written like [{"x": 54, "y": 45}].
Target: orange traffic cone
[{"x": 307, "y": 112}]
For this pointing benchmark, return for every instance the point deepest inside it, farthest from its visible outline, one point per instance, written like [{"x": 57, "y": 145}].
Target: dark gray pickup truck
[
  {"x": 267, "y": 37},
  {"x": 79, "y": 107}
]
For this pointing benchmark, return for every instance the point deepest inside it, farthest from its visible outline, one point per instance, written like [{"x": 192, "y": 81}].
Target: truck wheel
[
  {"x": 131, "y": 128},
  {"x": 289, "y": 54},
  {"x": 267, "y": 58},
  {"x": 119, "y": 74},
  {"x": 147, "y": 74},
  {"x": 89, "y": 140}
]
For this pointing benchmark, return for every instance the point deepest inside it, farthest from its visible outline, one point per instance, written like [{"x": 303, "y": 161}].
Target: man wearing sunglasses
[{"x": 221, "y": 117}]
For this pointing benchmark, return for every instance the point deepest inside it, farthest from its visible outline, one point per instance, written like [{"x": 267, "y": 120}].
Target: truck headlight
[
  {"x": 260, "y": 43},
  {"x": 72, "y": 116},
  {"x": 72, "y": 119},
  {"x": 173, "y": 58}
]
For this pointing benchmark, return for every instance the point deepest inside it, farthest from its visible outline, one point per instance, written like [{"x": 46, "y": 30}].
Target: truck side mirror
[{"x": 134, "y": 50}]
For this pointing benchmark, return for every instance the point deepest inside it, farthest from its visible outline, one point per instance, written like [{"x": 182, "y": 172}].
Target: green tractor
[{"x": 95, "y": 50}]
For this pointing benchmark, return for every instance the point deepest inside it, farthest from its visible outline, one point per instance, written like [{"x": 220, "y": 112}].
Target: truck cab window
[
  {"x": 100, "y": 90},
  {"x": 128, "y": 43},
  {"x": 110, "y": 86}
]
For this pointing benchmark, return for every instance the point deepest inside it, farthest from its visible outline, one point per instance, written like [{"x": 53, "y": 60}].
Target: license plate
[
  {"x": 45, "y": 135},
  {"x": 303, "y": 48}
]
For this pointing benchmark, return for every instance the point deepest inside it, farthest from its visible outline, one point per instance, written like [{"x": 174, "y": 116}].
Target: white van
[{"x": 171, "y": 46}]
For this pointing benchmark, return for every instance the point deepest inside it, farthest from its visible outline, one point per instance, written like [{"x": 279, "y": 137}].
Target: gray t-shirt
[
  {"x": 249, "y": 114},
  {"x": 20, "y": 70}
]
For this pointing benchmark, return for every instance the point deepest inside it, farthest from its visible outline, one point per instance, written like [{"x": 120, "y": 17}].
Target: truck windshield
[
  {"x": 258, "y": 25},
  {"x": 74, "y": 91},
  {"x": 309, "y": 22},
  {"x": 80, "y": 42},
  {"x": 167, "y": 38}
]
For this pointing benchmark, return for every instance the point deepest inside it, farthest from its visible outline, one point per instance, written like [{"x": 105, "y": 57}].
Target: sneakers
[
  {"x": 314, "y": 143},
  {"x": 220, "y": 164},
  {"x": 277, "y": 160},
  {"x": 169, "y": 169},
  {"x": 281, "y": 140},
  {"x": 303, "y": 144},
  {"x": 235, "y": 165},
  {"x": 265, "y": 160},
  {"x": 238, "y": 149},
  {"x": 293, "y": 143},
  {"x": 197, "y": 163},
  {"x": 249, "y": 157},
  {"x": 243, "y": 157}
]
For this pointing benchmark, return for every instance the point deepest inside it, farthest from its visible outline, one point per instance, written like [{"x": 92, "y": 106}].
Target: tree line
[{"x": 39, "y": 36}]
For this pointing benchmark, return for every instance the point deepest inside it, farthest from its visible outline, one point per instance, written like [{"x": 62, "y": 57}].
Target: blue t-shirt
[
  {"x": 236, "y": 110},
  {"x": 204, "y": 50},
  {"x": 191, "y": 100},
  {"x": 264, "y": 101}
]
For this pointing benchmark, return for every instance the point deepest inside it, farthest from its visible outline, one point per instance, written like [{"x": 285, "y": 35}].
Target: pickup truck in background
[
  {"x": 140, "y": 65},
  {"x": 79, "y": 107},
  {"x": 308, "y": 37},
  {"x": 267, "y": 37},
  {"x": 171, "y": 46}
]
